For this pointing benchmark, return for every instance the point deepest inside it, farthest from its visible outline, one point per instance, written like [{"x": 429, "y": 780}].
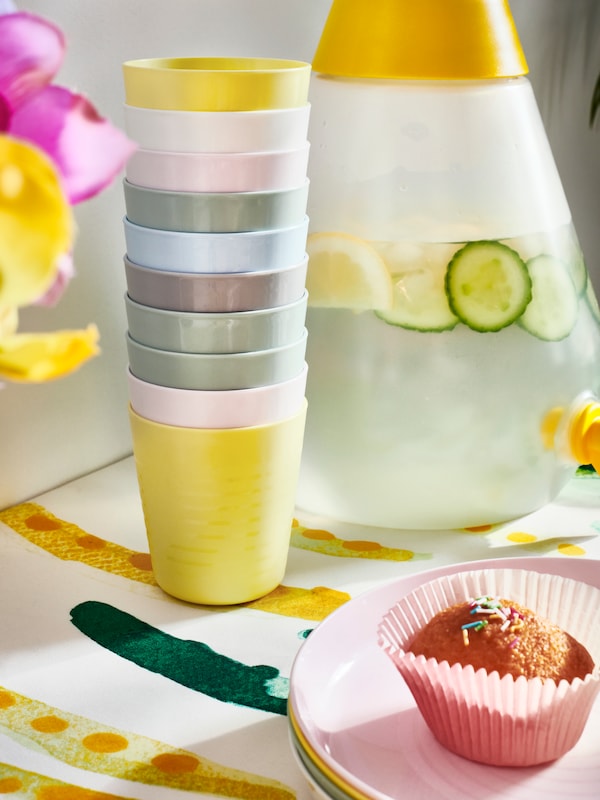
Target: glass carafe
[{"x": 451, "y": 317}]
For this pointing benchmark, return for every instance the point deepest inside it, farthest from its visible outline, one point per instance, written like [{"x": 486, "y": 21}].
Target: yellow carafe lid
[{"x": 420, "y": 40}]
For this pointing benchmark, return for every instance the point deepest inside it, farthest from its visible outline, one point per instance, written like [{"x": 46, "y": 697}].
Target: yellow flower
[
  {"x": 9, "y": 320},
  {"x": 39, "y": 357},
  {"x": 36, "y": 229},
  {"x": 36, "y": 225}
]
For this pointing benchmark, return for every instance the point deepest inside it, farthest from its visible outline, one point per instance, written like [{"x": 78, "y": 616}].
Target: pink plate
[{"x": 360, "y": 726}]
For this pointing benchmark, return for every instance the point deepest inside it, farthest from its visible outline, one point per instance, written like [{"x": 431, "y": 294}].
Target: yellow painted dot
[
  {"x": 295, "y": 523},
  {"x": 49, "y": 724},
  {"x": 174, "y": 764},
  {"x": 141, "y": 561},
  {"x": 361, "y": 546},
  {"x": 6, "y": 699},
  {"x": 38, "y": 522},
  {"x": 105, "y": 743},
  {"x": 10, "y": 785},
  {"x": 567, "y": 549},
  {"x": 314, "y": 533},
  {"x": 479, "y": 529},
  {"x": 521, "y": 538},
  {"x": 90, "y": 542}
]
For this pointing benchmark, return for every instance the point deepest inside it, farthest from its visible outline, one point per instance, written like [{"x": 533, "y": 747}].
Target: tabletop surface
[{"x": 110, "y": 688}]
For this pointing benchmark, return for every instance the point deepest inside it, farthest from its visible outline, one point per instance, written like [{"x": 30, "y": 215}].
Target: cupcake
[{"x": 504, "y": 665}]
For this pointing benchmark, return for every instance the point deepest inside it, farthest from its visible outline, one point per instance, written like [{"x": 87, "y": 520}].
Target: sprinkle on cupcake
[{"x": 493, "y": 609}]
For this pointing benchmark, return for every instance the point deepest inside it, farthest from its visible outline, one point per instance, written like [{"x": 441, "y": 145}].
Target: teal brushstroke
[{"x": 189, "y": 663}]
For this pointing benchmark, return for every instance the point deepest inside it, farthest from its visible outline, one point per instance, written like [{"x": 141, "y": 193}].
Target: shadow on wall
[{"x": 561, "y": 41}]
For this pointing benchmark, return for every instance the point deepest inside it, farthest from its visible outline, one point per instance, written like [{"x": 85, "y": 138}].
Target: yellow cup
[
  {"x": 216, "y": 84},
  {"x": 218, "y": 505}
]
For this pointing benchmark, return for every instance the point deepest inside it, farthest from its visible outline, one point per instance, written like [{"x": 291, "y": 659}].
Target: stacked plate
[
  {"x": 355, "y": 730},
  {"x": 215, "y": 231}
]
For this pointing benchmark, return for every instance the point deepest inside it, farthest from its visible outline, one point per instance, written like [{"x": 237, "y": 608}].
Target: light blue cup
[{"x": 248, "y": 251}]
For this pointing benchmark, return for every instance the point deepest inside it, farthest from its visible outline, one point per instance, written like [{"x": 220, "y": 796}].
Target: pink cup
[
  {"x": 236, "y": 408},
  {"x": 218, "y": 172}
]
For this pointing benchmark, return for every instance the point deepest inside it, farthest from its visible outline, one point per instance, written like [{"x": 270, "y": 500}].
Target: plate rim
[
  {"x": 315, "y": 776},
  {"x": 329, "y": 767},
  {"x": 300, "y": 742}
]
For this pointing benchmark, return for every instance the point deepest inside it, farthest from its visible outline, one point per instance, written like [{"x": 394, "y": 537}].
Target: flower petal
[
  {"x": 40, "y": 357},
  {"x": 31, "y": 53},
  {"x": 9, "y": 320},
  {"x": 65, "y": 271},
  {"x": 36, "y": 225},
  {"x": 87, "y": 149},
  {"x": 5, "y": 114}
]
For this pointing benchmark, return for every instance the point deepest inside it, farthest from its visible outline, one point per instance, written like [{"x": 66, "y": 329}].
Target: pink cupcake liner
[{"x": 478, "y": 715}]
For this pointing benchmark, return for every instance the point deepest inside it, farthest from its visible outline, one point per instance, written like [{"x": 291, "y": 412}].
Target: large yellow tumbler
[{"x": 218, "y": 505}]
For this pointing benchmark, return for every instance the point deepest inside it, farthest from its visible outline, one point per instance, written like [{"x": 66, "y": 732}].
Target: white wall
[
  {"x": 561, "y": 39},
  {"x": 52, "y": 433}
]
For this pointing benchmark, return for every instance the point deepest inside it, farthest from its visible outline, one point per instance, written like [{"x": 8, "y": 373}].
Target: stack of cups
[{"x": 215, "y": 230}]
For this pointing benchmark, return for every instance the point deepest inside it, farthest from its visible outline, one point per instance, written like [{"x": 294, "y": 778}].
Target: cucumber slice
[
  {"x": 578, "y": 269},
  {"x": 568, "y": 249},
  {"x": 552, "y": 313},
  {"x": 592, "y": 301},
  {"x": 488, "y": 285},
  {"x": 420, "y": 302}
]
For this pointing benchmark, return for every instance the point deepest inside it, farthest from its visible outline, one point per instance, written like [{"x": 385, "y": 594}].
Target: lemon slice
[
  {"x": 346, "y": 272},
  {"x": 420, "y": 302}
]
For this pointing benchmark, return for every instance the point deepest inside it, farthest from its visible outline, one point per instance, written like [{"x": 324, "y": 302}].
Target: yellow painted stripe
[
  {"x": 85, "y": 744},
  {"x": 25, "y": 785},
  {"x": 69, "y": 542},
  {"x": 325, "y": 542}
]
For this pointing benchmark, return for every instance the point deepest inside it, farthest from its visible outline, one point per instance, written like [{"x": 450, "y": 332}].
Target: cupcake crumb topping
[{"x": 500, "y": 635}]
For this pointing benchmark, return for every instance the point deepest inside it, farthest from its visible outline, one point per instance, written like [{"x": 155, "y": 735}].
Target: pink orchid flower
[
  {"x": 86, "y": 149},
  {"x": 55, "y": 151}
]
